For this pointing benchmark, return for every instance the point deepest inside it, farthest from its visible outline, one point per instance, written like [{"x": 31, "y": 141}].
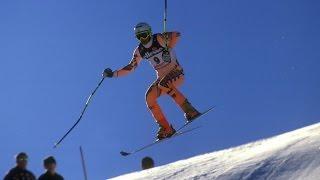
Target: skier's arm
[
  {"x": 135, "y": 61},
  {"x": 169, "y": 38}
]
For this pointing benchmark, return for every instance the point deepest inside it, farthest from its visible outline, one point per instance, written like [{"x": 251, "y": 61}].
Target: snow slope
[{"x": 291, "y": 156}]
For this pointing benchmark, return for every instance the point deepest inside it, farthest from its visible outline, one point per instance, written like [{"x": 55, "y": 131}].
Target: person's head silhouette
[{"x": 147, "y": 163}]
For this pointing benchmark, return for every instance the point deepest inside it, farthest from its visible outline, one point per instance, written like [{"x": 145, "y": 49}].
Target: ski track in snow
[{"x": 291, "y": 156}]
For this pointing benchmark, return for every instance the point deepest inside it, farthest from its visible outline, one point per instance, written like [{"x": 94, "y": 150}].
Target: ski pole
[
  {"x": 82, "y": 112},
  {"x": 165, "y": 16},
  {"x": 165, "y": 23},
  {"x": 83, "y": 164}
]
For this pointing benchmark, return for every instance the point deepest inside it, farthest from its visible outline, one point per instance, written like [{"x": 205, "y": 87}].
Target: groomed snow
[{"x": 291, "y": 156}]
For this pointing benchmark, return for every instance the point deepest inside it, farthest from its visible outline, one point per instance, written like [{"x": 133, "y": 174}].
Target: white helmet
[{"x": 142, "y": 28}]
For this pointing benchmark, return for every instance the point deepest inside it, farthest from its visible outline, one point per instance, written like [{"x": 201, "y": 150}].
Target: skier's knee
[
  {"x": 150, "y": 99},
  {"x": 151, "y": 103},
  {"x": 151, "y": 107}
]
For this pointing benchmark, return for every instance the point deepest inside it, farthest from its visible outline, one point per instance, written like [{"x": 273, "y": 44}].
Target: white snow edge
[{"x": 292, "y": 155}]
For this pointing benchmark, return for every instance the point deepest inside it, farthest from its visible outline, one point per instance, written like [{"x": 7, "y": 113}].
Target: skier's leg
[
  {"x": 151, "y": 99},
  {"x": 165, "y": 129},
  {"x": 169, "y": 84}
]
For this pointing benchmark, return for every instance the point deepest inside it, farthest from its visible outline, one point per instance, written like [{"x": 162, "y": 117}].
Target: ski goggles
[
  {"x": 24, "y": 159},
  {"x": 143, "y": 36}
]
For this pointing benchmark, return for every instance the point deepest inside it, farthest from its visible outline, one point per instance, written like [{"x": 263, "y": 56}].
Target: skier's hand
[
  {"x": 107, "y": 73},
  {"x": 166, "y": 35}
]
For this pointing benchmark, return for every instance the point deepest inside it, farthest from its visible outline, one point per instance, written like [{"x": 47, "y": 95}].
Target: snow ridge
[{"x": 294, "y": 155}]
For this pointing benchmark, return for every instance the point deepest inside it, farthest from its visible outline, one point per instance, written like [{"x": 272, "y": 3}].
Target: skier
[{"x": 158, "y": 50}]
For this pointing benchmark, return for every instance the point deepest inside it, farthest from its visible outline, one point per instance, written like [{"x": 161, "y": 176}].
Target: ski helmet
[{"x": 142, "y": 31}]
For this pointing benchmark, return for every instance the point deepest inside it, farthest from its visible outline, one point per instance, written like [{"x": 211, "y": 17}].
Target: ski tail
[{"x": 126, "y": 153}]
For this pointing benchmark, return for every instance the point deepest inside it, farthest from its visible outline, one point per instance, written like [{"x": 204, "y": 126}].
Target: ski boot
[
  {"x": 190, "y": 112},
  {"x": 165, "y": 132}
]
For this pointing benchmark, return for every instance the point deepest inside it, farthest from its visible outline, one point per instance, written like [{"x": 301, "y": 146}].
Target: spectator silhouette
[
  {"x": 20, "y": 172},
  {"x": 50, "y": 165},
  {"x": 147, "y": 163}
]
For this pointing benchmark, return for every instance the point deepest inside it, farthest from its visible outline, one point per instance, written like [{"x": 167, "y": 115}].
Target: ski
[{"x": 178, "y": 133}]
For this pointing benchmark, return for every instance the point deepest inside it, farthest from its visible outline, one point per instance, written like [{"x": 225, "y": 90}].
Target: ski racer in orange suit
[{"x": 158, "y": 50}]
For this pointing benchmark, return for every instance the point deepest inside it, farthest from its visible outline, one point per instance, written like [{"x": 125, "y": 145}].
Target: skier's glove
[
  {"x": 107, "y": 73},
  {"x": 166, "y": 35}
]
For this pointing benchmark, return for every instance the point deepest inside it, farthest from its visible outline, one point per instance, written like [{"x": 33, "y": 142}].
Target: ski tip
[
  {"x": 208, "y": 110},
  {"x": 212, "y": 107},
  {"x": 124, "y": 153}
]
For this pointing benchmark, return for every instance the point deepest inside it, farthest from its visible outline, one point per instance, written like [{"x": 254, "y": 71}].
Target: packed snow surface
[{"x": 291, "y": 156}]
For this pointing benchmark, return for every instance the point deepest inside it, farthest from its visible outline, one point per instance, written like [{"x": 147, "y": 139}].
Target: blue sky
[{"x": 257, "y": 61}]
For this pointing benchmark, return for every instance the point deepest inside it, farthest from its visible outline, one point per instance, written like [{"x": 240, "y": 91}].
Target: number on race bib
[
  {"x": 156, "y": 59},
  {"x": 166, "y": 56}
]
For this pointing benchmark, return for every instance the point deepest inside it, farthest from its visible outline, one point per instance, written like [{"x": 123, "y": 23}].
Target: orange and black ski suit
[{"x": 169, "y": 73}]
